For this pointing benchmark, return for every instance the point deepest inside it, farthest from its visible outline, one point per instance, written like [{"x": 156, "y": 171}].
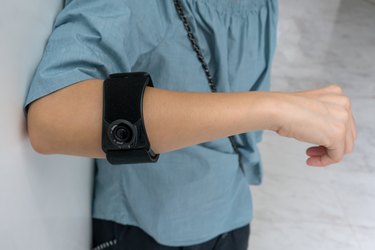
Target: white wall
[{"x": 45, "y": 201}]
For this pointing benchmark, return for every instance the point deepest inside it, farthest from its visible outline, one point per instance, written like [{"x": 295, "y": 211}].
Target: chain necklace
[{"x": 211, "y": 83}]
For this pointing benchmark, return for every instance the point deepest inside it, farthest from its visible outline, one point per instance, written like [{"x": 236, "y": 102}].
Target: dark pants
[{"x": 109, "y": 235}]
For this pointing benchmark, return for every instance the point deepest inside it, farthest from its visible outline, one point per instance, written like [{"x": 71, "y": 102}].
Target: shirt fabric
[{"x": 195, "y": 193}]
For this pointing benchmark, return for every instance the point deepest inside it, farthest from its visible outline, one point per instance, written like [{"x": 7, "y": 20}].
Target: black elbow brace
[{"x": 124, "y": 137}]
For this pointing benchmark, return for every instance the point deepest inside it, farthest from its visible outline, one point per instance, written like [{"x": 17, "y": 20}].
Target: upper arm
[
  {"x": 84, "y": 45},
  {"x": 89, "y": 41}
]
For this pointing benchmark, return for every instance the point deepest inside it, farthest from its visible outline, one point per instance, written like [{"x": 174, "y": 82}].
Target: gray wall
[{"x": 45, "y": 201}]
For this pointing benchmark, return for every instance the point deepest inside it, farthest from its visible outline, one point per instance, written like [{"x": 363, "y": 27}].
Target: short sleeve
[{"x": 88, "y": 41}]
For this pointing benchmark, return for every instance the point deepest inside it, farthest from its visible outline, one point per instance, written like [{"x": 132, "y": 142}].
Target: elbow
[
  {"x": 38, "y": 143},
  {"x": 67, "y": 121},
  {"x": 39, "y": 147},
  {"x": 38, "y": 132}
]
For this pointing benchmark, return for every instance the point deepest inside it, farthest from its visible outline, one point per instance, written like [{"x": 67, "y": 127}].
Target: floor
[{"x": 299, "y": 207}]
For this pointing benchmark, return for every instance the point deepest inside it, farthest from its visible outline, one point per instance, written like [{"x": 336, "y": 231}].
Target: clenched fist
[{"x": 322, "y": 117}]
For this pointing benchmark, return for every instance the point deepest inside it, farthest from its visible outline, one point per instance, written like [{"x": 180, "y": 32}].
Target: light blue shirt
[{"x": 193, "y": 194}]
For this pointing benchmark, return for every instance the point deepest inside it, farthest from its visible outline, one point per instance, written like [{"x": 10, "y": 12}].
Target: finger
[
  {"x": 334, "y": 89},
  {"x": 332, "y": 156},
  {"x": 319, "y": 161},
  {"x": 330, "y": 89},
  {"x": 349, "y": 140},
  {"x": 316, "y": 151},
  {"x": 316, "y": 161},
  {"x": 354, "y": 127}
]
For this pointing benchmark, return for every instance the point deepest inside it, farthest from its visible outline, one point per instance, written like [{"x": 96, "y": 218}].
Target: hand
[{"x": 322, "y": 117}]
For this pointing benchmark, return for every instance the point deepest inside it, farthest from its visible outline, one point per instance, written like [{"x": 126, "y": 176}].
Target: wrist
[{"x": 270, "y": 110}]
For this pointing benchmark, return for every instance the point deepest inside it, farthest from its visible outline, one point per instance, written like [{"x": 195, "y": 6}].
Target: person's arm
[{"x": 69, "y": 121}]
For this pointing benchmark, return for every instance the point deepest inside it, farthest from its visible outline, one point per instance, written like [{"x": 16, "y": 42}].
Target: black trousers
[{"x": 108, "y": 235}]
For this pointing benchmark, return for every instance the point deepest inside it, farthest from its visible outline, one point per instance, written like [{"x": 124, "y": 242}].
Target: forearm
[
  {"x": 175, "y": 120},
  {"x": 69, "y": 120}
]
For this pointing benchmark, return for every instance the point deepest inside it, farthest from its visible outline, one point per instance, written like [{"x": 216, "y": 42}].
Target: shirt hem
[{"x": 183, "y": 243}]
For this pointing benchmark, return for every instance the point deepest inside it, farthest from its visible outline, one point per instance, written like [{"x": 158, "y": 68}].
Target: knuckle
[
  {"x": 349, "y": 150},
  {"x": 336, "y": 88},
  {"x": 343, "y": 115},
  {"x": 339, "y": 158},
  {"x": 340, "y": 128},
  {"x": 346, "y": 102},
  {"x": 349, "y": 147},
  {"x": 338, "y": 132}
]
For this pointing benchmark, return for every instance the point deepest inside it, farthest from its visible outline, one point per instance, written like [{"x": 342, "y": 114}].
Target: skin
[{"x": 68, "y": 121}]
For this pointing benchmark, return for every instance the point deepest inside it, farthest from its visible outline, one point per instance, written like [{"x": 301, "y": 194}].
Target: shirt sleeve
[{"x": 87, "y": 42}]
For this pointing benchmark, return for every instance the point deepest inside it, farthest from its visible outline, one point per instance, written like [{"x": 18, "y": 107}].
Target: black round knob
[{"x": 123, "y": 133}]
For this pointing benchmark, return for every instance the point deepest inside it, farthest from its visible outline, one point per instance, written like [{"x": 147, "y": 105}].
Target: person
[{"x": 196, "y": 196}]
